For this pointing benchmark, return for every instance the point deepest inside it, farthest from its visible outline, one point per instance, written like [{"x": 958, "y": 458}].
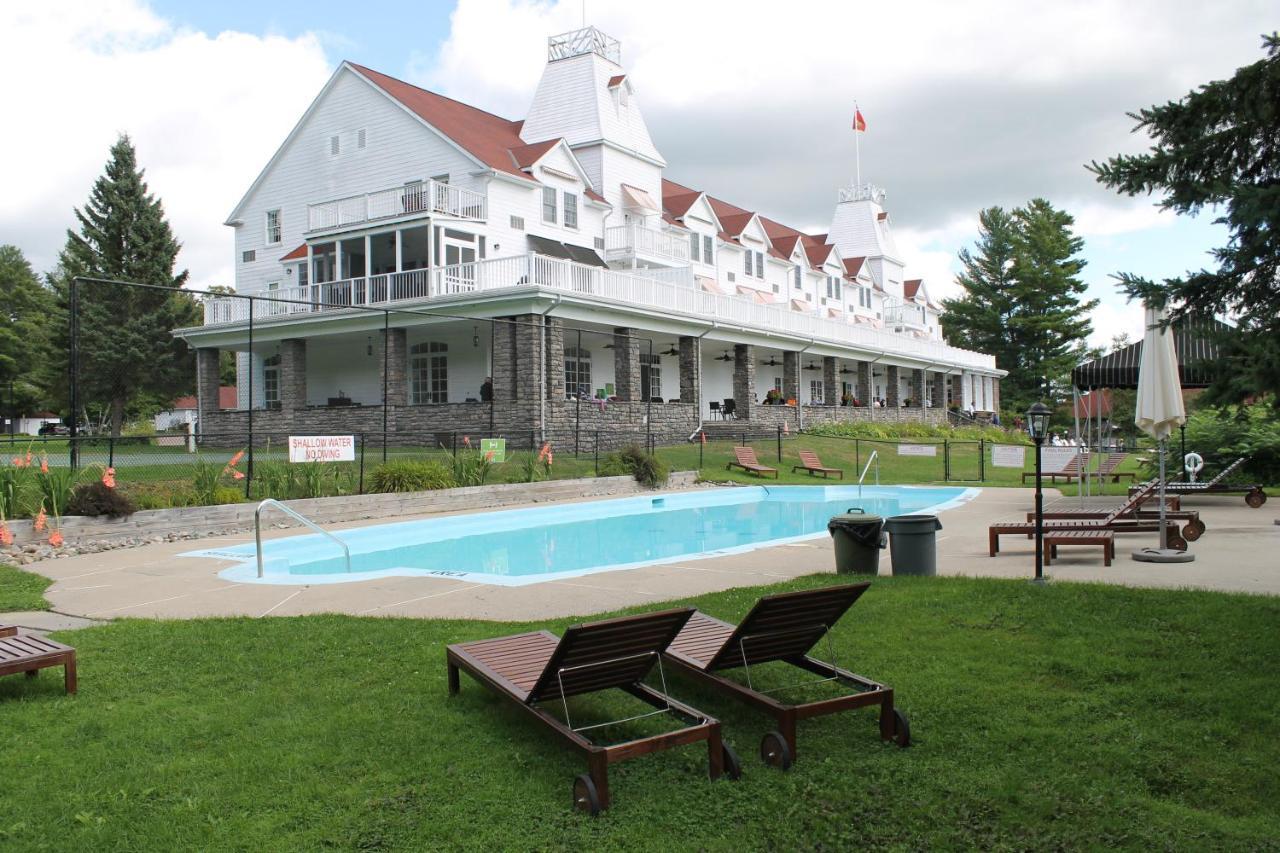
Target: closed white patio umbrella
[{"x": 1158, "y": 412}]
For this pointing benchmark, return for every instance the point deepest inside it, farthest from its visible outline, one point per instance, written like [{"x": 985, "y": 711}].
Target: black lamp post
[{"x": 1038, "y": 427}]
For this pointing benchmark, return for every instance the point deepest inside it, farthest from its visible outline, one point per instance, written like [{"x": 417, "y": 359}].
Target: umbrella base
[{"x": 1162, "y": 555}]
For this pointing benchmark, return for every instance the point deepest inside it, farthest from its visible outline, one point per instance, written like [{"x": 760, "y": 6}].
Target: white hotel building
[{"x": 552, "y": 255}]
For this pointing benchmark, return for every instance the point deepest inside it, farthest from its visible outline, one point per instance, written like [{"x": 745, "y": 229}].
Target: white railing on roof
[
  {"x": 423, "y": 198},
  {"x": 624, "y": 241},
  {"x": 906, "y": 314},
  {"x": 670, "y": 290},
  {"x": 585, "y": 40}
]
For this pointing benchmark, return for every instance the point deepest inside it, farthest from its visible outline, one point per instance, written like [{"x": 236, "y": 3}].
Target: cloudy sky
[{"x": 968, "y": 104}]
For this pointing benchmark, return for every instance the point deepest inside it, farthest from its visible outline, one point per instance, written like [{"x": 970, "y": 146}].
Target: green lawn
[
  {"x": 21, "y": 590},
  {"x": 1059, "y": 717}
]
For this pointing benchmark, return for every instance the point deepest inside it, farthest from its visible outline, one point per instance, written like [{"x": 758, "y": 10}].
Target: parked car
[{"x": 55, "y": 429}]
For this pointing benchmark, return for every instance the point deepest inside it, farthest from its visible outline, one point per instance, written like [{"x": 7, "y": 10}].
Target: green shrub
[
  {"x": 411, "y": 476},
  {"x": 95, "y": 499},
  {"x": 1223, "y": 437},
  {"x": 225, "y": 495},
  {"x": 470, "y": 468},
  {"x": 648, "y": 469},
  {"x": 891, "y": 431},
  {"x": 54, "y": 490},
  {"x": 163, "y": 495}
]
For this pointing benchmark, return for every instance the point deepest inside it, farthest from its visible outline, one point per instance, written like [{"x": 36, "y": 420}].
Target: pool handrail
[
  {"x": 293, "y": 513},
  {"x": 874, "y": 457}
]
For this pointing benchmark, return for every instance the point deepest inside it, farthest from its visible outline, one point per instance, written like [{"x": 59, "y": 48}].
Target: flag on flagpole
[{"x": 859, "y": 123}]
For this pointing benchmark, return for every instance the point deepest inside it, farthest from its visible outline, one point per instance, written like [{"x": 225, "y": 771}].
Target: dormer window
[{"x": 549, "y": 205}]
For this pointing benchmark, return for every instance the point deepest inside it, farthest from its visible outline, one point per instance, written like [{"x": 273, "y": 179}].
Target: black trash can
[
  {"x": 913, "y": 548},
  {"x": 858, "y": 540}
]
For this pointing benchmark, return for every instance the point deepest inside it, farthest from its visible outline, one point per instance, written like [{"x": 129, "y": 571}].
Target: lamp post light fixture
[{"x": 1038, "y": 428}]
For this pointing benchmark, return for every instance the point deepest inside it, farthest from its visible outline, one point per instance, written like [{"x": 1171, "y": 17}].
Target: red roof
[
  {"x": 881, "y": 215},
  {"x": 296, "y": 254},
  {"x": 678, "y": 205},
  {"x": 487, "y": 137},
  {"x": 911, "y": 287},
  {"x": 785, "y": 243},
  {"x": 817, "y": 254},
  {"x": 526, "y": 155},
  {"x": 594, "y": 196},
  {"x": 227, "y": 397},
  {"x": 187, "y": 402},
  {"x": 672, "y": 221},
  {"x": 734, "y": 223},
  {"x": 616, "y": 80},
  {"x": 852, "y": 266}
]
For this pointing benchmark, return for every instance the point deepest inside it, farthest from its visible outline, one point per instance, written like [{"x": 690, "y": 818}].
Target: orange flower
[
  {"x": 16, "y": 461},
  {"x": 235, "y": 460},
  {"x": 703, "y": 437},
  {"x": 239, "y": 475},
  {"x": 109, "y": 477},
  {"x": 488, "y": 456},
  {"x": 544, "y": 452},
  {"x": 549, "y": 456},
  {"x": 55, "y": 538},
  {"x": 28, "y": 458},
  {"x": 41, "y": 518},
  {"x": 44, "y": 464},
  {"x": 466, "y": 441},
  {"x": 6, "y": 535}
]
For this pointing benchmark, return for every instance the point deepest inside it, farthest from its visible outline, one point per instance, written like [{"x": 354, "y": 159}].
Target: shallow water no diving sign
[
  {"x": 494, "y": 449},
  {"x": 322, "y": 448}
]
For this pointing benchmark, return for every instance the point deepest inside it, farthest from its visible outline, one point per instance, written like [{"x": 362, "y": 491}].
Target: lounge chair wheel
[
  {"x": 901, "y": 729},
  {"x": 1193, "y": 531},
  {"x": 732, "y": 765},
  {"x": 585, "y": 796},
  {"x": 1177, "y": 543},
  {"x": 1256, "y": 499},
  {"x": 774, "y": 751}
]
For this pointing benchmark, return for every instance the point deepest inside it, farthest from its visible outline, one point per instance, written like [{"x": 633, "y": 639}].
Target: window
[
  {"x": 517, "y": 222},
  {"x": 273, "y": 285},
  {"x": 570, "y": 210},
  {"x": 815, "y": 390},
  {"x": 759, "y": 264},
  {"x": 599, "y": 243},
  {"x": 651, "y": 375},
  {"x": 695, "y": 246},
  {"x": 746, "y": 262},
  {"x": 799, "y": 278},
  {"x": 732, "y": 277},
  {"x": 833, "y": 287},
  {"x": 302, "y": 275},
  {"x": 249, "y": 256},
  {"x": 708, "y": 255},
  {"x": 577, "y": 372},
  {"x": 549, "y": 205},
  {"x": 334, "y": 146},
  {"x": 271, "y": 382},
  {"x": 441, "y": 179},
  {"x": 429, "y": 373},
  {"x": 360, "y": 138},
  {"x": 273, "y": 227}
]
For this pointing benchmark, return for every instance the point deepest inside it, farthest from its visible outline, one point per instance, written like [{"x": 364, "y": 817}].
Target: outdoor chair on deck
[
  {"x": 535, "y": 668},
  {"x": 1122, "y": 519},
  {"x": 30, "y": 653},
  {"x": 1254, "y": 496},
  {"x": 745, "y": 458},
  {"x": 810, "y": 462},
  {"x": 729, "y": 409},
  {"x": 783, "y": 627},
  {"x": 715, "y": 409}
]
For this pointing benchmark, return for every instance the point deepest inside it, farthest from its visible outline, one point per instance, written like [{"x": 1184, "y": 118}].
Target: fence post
[
  {"x": 982, "y": 460},
  {"x": 702, "y": 446},
  {"x": 73, "y": 316},
  {"x": 857, "y": 455},
  {"x": 361, "y": 487},
  {"x": 249, "y": 411},
  {"x": 111, "y": 451},
  {"x": 596, "y": 450},
  {"x": 454, "y": 440},
  {"x": 946, "y": 461},
  {"x": 779, "y": 444}
]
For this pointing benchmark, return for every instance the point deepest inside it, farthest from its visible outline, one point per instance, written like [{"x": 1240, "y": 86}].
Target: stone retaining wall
[{"x": 619, "y": 424}]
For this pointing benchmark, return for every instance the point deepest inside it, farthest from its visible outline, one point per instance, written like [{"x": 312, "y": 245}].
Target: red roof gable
[
  {"x": 911, "y": 287},
  {"x": 616, "y": 80},
  {"x": 671, "y": 220},
  {"x": 852, "y": 266},
  {"x": 296, "y": 254},
  {"x": 734, "y": 223},
  {"x": 526, "y": 155},
  {"x": 594, "y": 196},
  {"x": 485, "y": 136},
  {"x": 817, "y": 254},
  {"x": 785, "y": 243}
]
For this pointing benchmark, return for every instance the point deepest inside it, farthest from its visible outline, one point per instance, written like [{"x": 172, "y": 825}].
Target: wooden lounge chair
[
  {"x": 536, "y": 668},
  {"x": 1131, "y": 509},
  {"x": 810, "y": 462},
  {"x": 1113, "y": 520},
  {"x": 745, "y": 458},
  {"x": 1112, "y": 461},
  {"x": 1254, "y": 496},
  {"x": 31, "y": 653},
  {"x": 1069, "y": 473},
  {"x": 1056, "y": 538},
  {"x": 783, "y": 627}
]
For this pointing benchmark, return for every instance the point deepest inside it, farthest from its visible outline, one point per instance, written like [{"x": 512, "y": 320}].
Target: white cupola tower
[
  {"x": 861, "y": 228},
  {"x": 586, "y": 97}
]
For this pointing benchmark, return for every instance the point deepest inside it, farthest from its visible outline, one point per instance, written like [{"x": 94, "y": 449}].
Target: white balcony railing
[
  {"x": 906, "y": 315},
  {"x": 626, "y": 241},
  {"x": 422, "y": 198},
  {"x": 664, "y": 290}
]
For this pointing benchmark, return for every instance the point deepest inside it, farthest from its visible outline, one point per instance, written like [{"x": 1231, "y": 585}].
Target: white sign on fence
[
  {"x": 1008, "y": 455},
  {"x": 917, "y": 450},
  {"x": 322, "y": 448},
  {"x": 1058, "y": 458}
]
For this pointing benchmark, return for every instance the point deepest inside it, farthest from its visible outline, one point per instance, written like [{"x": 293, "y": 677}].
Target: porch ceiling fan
[
  {"x": 845, "y": 371},
  {"x": 670, "y": 350},
  {"x": 772, "y": 362},
  {"x": 812, "y": 366},
  {"x": 725, "y": 357}
]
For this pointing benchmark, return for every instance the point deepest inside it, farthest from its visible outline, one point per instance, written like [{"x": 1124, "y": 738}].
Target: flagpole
[{"x": 857, "y": 146}]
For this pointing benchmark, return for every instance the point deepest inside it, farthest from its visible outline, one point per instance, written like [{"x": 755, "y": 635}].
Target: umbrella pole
[{"x": 1164, "y": 533}]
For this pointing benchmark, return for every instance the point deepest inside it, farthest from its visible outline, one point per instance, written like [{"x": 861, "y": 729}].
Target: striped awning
[{"x": 1193, "y": 342}]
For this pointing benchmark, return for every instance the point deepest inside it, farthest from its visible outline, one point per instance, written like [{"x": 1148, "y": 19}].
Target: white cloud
[{"x": 205, "y": 112}]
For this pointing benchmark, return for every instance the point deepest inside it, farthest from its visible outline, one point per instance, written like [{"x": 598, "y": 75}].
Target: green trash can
[
  {"x": 858, "y": 537},
  {"x": 913, "y": 549}
]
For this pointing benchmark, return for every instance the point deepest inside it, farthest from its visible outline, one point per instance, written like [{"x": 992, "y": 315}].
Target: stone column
[
  {"x": 830, "y": 381},
  {"x": 744, "y": 379},
  {"x": 917, "y": 388},
  {"x": 938, "y": 391},
  {"x": 995, "y": 393},
  {"x": 530, "y": 361},
  {"x": 504, "y": 359},
  {"x": 690, "y": 370},
  {"x": 791, "y": 376},
  {"x": 626, "y": 365},
  {"x": 863, "y": 391},
  {"x": 393, "y": 368},
  {"x": 208, "y": 379},
  {"x": 555, "y": 358},
  {"x": 293, "y": 374},
  {"x": 892, "y": 399}
]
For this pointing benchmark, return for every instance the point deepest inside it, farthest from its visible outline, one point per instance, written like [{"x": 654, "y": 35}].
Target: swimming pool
[{"x": 521, "y": 546}]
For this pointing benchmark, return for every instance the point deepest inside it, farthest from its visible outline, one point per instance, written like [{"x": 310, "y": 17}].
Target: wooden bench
[
  {"x": 1055, "y": 538},
  {"x": 31, "y": 653}
]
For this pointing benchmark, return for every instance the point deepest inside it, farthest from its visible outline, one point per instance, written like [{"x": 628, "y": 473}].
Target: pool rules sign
[{"x": 322, "y": 448}]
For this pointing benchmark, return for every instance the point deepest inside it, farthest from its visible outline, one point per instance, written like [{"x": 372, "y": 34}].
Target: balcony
[
  {"x": 408, "y": 201},
  {"x": 906, "y": 317},
  {"x": 645, "y": 246},
  {"x": 664, "y": 292}
]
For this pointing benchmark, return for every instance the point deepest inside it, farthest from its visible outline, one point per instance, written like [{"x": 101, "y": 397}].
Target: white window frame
[
  {"x": 760, "y": 265},
  {"x": 708, "y": 252},
  {"x": 550, "y": 201},
  {"x": 429, "y": 357},
  {"x": 695, "y": 247},
  {"x": 570, "y": 210},
  {"x": 577, "y": 366},
  {"x": 335, "y": 145},
  {"x": 274, "y": 231}
]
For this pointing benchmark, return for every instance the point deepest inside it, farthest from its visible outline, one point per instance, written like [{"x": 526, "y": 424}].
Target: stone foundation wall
[{"x": 619, "y": 424}]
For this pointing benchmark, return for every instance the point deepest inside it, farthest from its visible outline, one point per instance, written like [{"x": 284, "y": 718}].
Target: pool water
[{"x": 520, "y": 546}]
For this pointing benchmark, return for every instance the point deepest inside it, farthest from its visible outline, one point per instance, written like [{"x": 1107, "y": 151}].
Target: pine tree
[
  {"x": 1220, "y": 146},
  {"x": 25, "y": 306},
  {"x": 1021, "y": 299},
  {"x": 128, "y": 355}
]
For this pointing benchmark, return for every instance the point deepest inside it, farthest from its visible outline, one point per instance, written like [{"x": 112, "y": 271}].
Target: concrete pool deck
[{"x": 1238, "y": 553}]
